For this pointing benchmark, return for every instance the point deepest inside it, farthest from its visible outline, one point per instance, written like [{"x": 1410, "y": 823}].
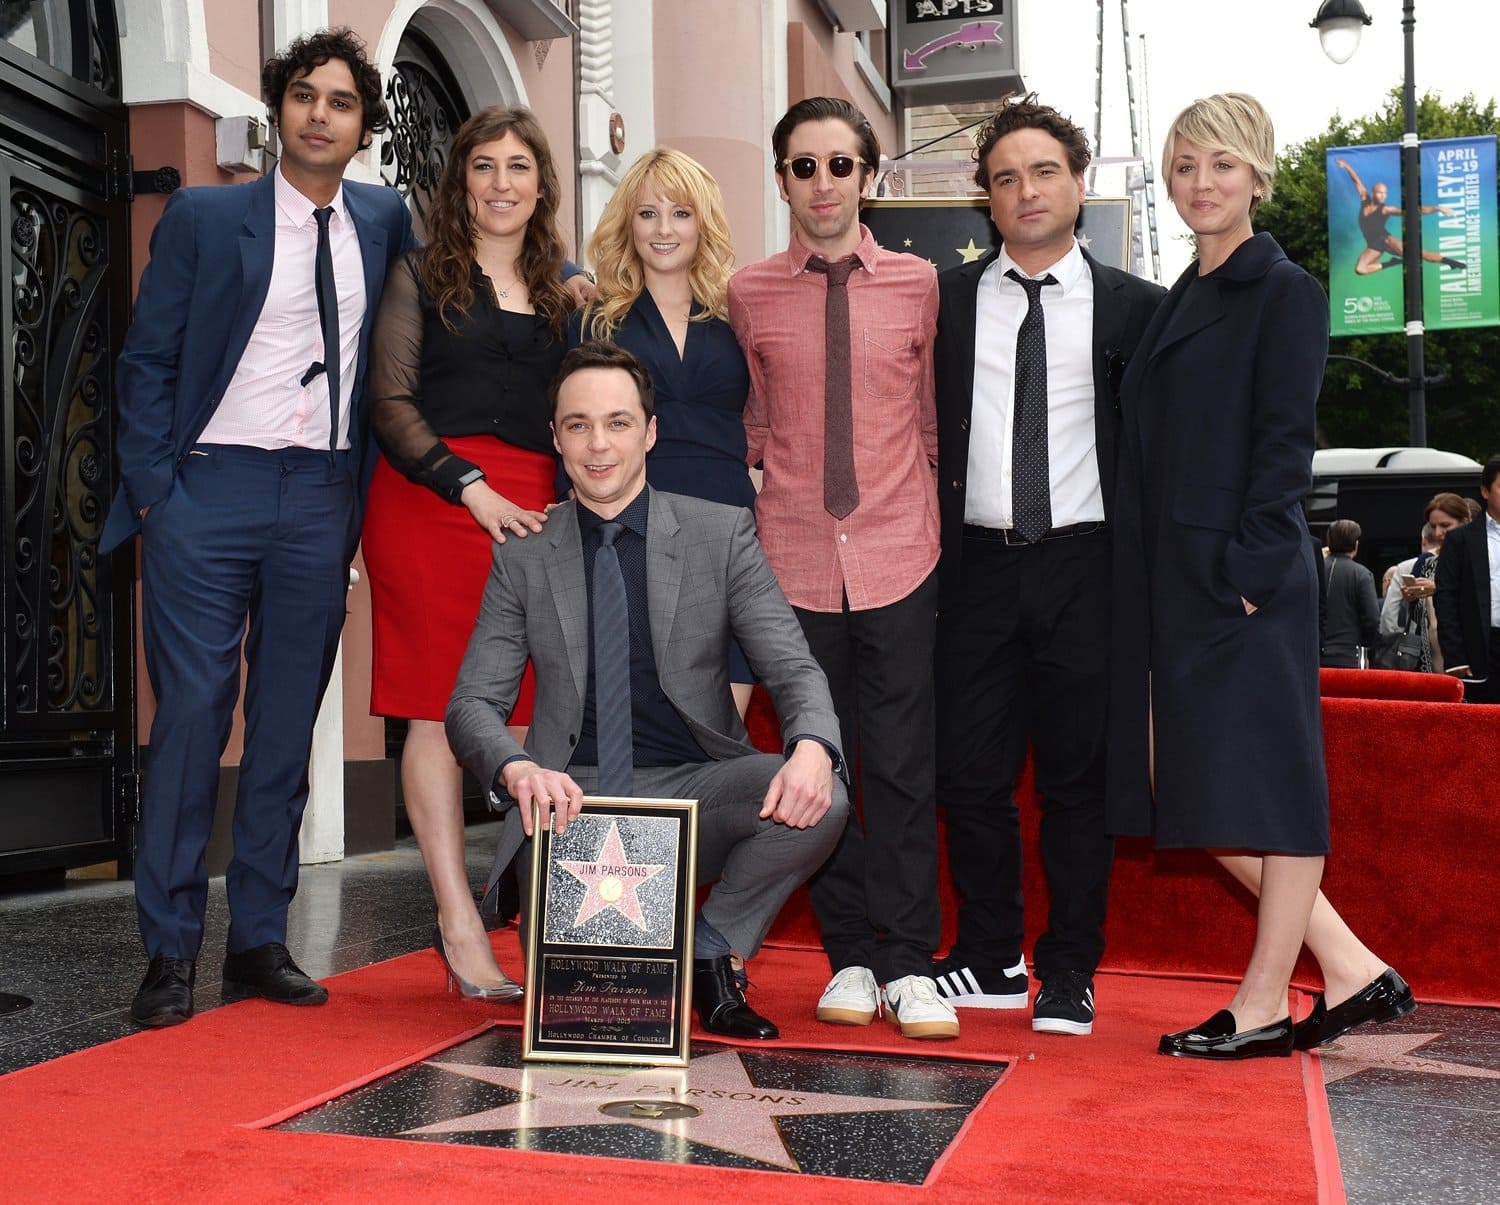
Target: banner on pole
[
  {"x": 1461, "y": 278},
  {"x": 1366, "y": 288}
]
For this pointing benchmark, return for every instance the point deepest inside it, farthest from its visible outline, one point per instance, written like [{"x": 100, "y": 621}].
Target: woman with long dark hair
[{"x": 469, "y": 335}]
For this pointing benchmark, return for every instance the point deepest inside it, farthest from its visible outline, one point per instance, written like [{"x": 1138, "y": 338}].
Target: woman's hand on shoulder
[
  {"x": 497, "y": 515},
  {"x": 582, "y": 289}
]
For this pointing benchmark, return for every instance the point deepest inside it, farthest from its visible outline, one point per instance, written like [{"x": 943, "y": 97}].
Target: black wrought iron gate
[{"x": 67, "y": 744}]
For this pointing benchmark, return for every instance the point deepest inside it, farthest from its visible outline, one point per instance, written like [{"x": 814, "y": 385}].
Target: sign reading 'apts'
[{"x": 945, "y": 51}]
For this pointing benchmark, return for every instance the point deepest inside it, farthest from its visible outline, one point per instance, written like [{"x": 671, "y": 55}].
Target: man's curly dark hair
[
  {"x": 1026, "y": 113},
  {"x": 312, "y": 51}
]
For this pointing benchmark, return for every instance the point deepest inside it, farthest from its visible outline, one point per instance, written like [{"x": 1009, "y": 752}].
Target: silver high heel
[{"x": 508, "y": 989}]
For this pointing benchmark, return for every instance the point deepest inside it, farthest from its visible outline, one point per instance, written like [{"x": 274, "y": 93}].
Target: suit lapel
[
  {"x": 569, "y": 589},
  {"x": 372, "y": 250},
  {"x": 1481, "y": 539},
  {"x": 965, "y": 313},
  {"x": 1188, "y": 320},
  {"x": 663, "y": 575},
  {"x": 257, "y": 254},
  {"x": 1109, "y": 332}
]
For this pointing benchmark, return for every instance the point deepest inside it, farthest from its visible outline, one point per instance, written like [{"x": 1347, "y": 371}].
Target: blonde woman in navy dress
[
  {"x": 662, "y": 255},
  {"x": 1215, "y": 736}
]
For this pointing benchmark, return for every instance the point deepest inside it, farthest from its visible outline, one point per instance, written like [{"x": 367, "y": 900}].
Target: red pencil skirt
[{"x": 428, "y": 562}]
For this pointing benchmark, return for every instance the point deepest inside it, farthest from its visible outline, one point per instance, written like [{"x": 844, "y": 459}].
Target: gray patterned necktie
[
  {"x": 1031, "y": 486},
  {"x": 613, "y": 730}
]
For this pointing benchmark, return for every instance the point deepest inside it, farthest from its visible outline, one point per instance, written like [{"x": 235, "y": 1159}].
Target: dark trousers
[
  {"x": 876, "y": 898},
  {"x": 1487, "y": 691},
  {"x": 1022, "y": 653},
  {"x": 253, "y": 537}
]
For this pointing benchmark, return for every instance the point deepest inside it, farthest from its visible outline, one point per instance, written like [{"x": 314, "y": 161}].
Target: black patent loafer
[
  {"x": 165, "y": 996},
  {"x": 1217, "y": 1039},
  {"x": 268, "y": 972},
  {"x": 1383, "y": 999},
  {"x": 721, "y": 1003}
]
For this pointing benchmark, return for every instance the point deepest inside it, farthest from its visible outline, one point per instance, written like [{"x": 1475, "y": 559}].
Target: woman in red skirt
[{"x": 468, "y": 337}]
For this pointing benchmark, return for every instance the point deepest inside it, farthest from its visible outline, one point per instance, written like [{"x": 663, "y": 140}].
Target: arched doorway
[
  {"x": 66, "y": 745},
  {"x": 427, "y": 106}
]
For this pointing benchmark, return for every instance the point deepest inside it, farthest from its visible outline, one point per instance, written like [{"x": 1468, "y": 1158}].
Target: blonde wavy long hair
[{"x": 617, "y": 264}]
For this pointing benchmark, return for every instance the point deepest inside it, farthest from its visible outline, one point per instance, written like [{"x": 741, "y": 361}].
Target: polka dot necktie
[{"x": 1031, "y": 487}]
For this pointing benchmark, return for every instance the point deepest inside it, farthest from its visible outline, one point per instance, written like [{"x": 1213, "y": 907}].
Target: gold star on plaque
[
  {"x": 970, "y": 253},
  {"x": 906, "y": 242}
]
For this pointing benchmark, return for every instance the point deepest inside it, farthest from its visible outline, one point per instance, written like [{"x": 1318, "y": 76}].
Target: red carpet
[{"x": 169, "y": 1116}]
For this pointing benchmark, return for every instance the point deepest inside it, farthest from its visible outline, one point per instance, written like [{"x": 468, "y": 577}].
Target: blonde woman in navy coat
[{"x": 1216, "y": 737}]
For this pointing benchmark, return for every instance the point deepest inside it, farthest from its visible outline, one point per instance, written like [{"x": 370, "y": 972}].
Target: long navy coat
[{"x": 1217, "y": 430}]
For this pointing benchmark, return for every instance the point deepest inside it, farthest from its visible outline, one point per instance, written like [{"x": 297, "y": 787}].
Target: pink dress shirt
[
  {"x": 265, "y": 404},
  {"x": 888, "y": 544}
]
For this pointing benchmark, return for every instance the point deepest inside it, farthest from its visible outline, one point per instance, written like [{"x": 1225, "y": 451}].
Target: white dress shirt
[
  {"x": 1073, "y": 463},
  {"x": 265, "y": 404},
  {"x": 1492, "y": 542}
]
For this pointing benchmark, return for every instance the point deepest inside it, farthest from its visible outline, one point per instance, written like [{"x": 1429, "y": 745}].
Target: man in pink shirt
[
  {"x": 838, "y": 333},
  {"x": 243, "y": 456}
]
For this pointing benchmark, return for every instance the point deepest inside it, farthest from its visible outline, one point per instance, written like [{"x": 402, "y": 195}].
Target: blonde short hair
[
  {"x": 1233, "y": 122},
  {"x": 617, "y": 264}
]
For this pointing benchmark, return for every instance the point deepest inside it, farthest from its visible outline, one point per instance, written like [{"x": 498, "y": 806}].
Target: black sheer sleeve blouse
[{"x": 487, "y": 376}]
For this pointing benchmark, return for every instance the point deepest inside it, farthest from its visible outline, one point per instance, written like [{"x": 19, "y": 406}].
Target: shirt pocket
[{"x": 891, "y": 362}]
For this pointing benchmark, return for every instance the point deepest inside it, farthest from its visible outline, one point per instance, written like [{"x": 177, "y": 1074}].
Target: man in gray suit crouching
[{"x": 625, "y": 603}]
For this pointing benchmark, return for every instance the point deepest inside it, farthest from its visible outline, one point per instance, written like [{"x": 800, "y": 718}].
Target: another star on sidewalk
[{"x": 1352, "y": 1054}]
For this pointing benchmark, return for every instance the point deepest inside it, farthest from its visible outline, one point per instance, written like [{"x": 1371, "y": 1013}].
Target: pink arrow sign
[{"x": 974, "y": 34}]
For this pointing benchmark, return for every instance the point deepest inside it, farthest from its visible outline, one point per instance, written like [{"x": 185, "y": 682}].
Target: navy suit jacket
[{"x": 199, "y": 299}]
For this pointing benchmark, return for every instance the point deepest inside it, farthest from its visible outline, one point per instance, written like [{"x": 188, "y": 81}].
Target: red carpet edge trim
[
  {"x": 1325, "y": 1151},
  {"x": 312, "y": 1102}
]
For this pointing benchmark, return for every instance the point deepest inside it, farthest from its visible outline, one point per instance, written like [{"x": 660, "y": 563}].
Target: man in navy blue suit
[{"x": 244, "y": 454}]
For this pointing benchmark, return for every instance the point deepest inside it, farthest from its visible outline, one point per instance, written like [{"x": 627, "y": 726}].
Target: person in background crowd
[
  {"x": 1468, "y": 596},
  {"x": 243, "y": 458},
  {"x": 1031, "y": 339},
  {"x": 1415, "y": 613},
  {"x": 1352, "y": 622},
  {"x": 838, "y": 335},
  {"x": 1215, "y": 736},
  {"x": 662, "y": 255},
  {"x": 1394, "y": 607},
  {"x": 469, "y": 336}
]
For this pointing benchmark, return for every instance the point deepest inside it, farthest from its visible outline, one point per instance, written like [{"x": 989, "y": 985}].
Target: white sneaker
[
  {"x": 851, "y": 998},
  {"x": 916, "y": 1006}
]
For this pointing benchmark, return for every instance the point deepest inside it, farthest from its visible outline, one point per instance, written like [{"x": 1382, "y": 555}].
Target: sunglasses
[{"x": 805, "y": 167}]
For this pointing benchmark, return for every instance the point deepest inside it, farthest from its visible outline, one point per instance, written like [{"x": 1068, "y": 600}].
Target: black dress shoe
[
  {"x": 721, "y": 1004},
  {"x": 268, "y": 971},
  {"x": 1216, "y": 1039},
  {"x": 165, "y": 996},
  {"x": 1382, "y": 999}
]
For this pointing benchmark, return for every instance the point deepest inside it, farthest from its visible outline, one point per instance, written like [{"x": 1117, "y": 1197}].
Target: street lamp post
[{"x": 1339, "y": 23}]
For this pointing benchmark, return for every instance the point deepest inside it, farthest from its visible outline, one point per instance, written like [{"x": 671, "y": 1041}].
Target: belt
[{"x": 1006, "y": 535}]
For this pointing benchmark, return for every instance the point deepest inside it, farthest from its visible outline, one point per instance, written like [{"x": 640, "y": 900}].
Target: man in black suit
[
  {"x": 1031, "y": 343},
  {"x": 1468, "y": 596}
]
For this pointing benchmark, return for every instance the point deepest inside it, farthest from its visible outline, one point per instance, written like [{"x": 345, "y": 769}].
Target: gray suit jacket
[{"x": 706, "y": 577}]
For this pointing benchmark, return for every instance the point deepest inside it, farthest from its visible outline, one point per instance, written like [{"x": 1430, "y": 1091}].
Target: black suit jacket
[
  {"x": 1462, "y": 601},
  {"x": 1123, "y": 304}
]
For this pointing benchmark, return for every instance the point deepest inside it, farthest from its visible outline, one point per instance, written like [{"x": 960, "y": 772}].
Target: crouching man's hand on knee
[{"x": 802, "y": 791}]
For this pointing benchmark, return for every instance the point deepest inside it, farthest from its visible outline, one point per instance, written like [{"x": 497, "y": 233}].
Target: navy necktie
[
  {"x": 328, "y": 316},
  {"x": 612, "y": 718},
  {"x": 840, "y": 487},
  {"x": 1031, "y": 486}
]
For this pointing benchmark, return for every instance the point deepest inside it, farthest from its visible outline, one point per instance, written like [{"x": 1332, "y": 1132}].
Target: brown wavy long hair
[
  {"x": 447, "y": 263},
  {"x": 685, "y": 181}
]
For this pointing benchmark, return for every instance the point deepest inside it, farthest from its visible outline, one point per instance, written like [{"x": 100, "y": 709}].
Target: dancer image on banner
[{"x": 1373, "y": 214}]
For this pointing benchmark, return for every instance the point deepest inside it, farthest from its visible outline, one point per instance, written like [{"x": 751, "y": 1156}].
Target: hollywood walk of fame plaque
[{"x": 609, "y": 935}]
